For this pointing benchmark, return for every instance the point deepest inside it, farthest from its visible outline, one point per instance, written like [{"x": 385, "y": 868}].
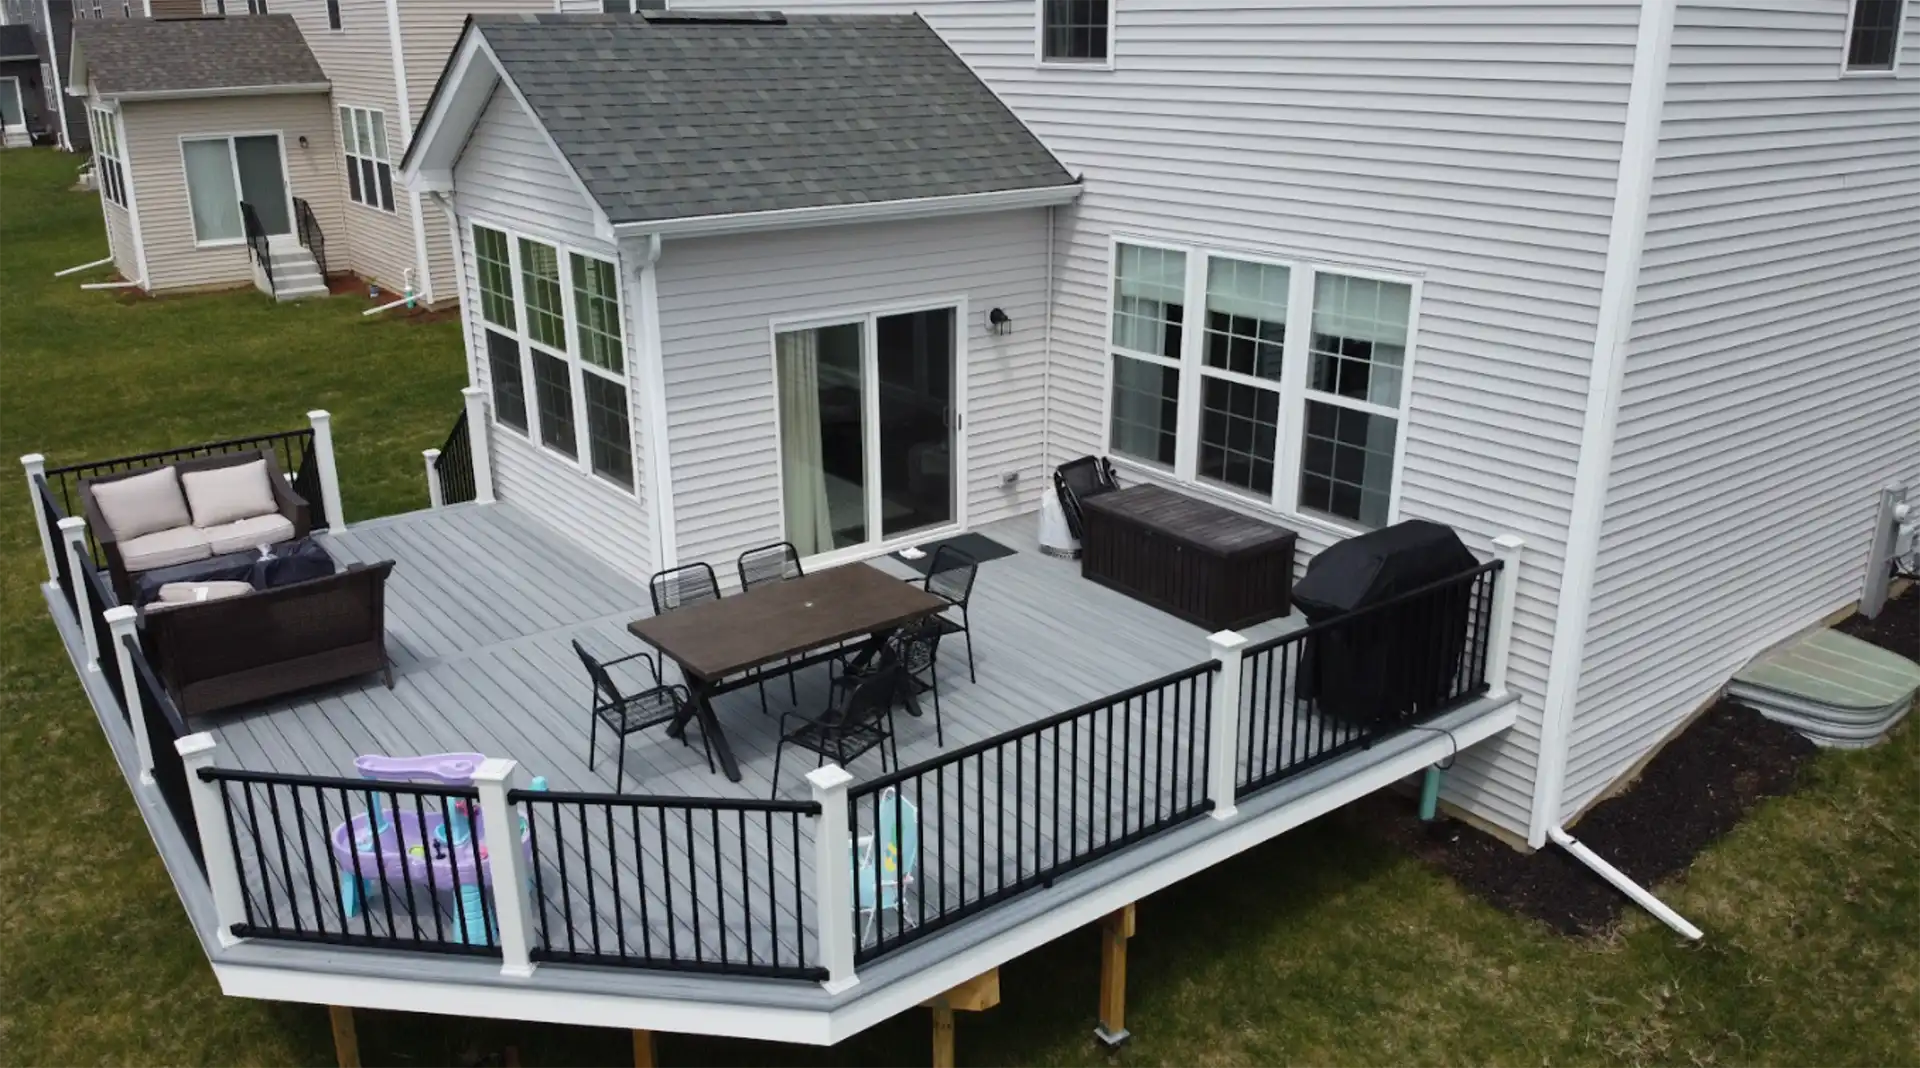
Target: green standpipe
[{"x": 1430, "y": 794}]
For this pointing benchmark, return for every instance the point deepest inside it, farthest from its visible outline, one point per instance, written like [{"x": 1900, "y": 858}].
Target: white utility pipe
[
  {"x": 1625, "y": 885},
  {"x": 82, "y": 267},
  {"x": 109, "y": 285},
  {"x": 406, "y": 300}
]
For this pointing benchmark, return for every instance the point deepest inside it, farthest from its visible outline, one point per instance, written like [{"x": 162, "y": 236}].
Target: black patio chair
[
  {"x": 685, "y": 586},
  {"x": 763, "y": 566},
  {"x": 917, "y": 649},
  {"x": 625, "y": 713},
  {"x": 950, "y": 576},
  {"x": 858, "y": 718},
  {"x": 1077, "y": 480}
]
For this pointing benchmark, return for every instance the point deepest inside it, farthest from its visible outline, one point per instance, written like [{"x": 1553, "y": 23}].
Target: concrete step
[{"x": 301, "y": 292}]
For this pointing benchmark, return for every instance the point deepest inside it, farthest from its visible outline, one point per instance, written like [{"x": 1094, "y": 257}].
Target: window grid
[
  {"x": 1075, "y": 30},
  {"x": 1359, "y": 338},
  {"x": 1149, "y": 303},
  {"x": 596, "y": 306},
  {"x": 509, "y": 388},
  {"x": 1346, "y": 465},
  {"x": 1146, "y": 410},
  {"x": 1873, "y": 42},
  {"x": 363, "y": 140},
  {"x": 333, "y": 14},
  {"x": 553, "y": 399},
  {"x": 609, "y": 438},
  {"x": 112, "y": 174},
  {"x": 1239, "y": 429},
  {"x": 540, "y": 288},
  {"x": 493, "y": 265}
]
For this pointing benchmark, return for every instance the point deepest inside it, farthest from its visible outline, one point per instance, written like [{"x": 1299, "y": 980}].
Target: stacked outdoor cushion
[{"x": 161, "y": 518}]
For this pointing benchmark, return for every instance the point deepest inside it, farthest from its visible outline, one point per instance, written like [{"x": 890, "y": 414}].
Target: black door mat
[
  {"x": 1693, "y": 792},
  {"x": 978, "y": 546}
]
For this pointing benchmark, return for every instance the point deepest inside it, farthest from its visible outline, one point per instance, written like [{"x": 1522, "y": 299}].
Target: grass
[{"x": 1323, "y": 947}]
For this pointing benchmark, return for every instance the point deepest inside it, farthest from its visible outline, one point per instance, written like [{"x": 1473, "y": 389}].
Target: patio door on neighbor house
[
  {"x": 224, "y": 172},
  {"x": 870, "y": 413}
]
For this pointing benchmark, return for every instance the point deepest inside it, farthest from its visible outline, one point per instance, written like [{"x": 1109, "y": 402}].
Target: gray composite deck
[{"x": 482, "y": 606}]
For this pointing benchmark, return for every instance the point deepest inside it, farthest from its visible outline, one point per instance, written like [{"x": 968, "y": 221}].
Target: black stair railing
[
  {"x": 257, "y": 241},
  {"x": 311, "y": 237},
  {"x": 454, "y": 466}
]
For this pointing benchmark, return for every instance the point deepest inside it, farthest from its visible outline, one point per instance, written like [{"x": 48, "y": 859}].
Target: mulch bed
[{"x": 1896, "y": 629}]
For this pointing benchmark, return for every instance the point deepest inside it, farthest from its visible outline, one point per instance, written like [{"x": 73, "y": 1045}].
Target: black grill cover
[{"x": 1393, "y": 664}]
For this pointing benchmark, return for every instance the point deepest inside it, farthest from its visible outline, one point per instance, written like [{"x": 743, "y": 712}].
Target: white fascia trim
[
  {"x": 645, "y": 257},
  {"x": 459, "y": 68},
  {"x": 422, "y": 272},
  {"x": 1626, "y": 241},
  {"x": 837, "y": 214},
  {"x": 241, "y": 90}
]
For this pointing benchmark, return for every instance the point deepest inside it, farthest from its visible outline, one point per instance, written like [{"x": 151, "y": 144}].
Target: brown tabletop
[{"x": 778, "y": 620}]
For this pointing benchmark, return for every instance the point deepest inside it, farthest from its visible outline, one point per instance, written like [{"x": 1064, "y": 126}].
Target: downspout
[
  {"x": 59, "y": 82},
  {"x": 1046, "y": 367},
  {"x": 407, "y": 299},
  {"x": 1626, "y": 241},
  {"x": 1625, "y": 885},
  {"x": 653, "y": 366},
  {"x": 444, "y": 201},
  {"x": 422, "y": 270}
]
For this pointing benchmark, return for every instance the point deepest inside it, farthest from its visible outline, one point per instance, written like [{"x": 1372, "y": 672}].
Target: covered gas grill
[{"x": 1385, "y": 666}]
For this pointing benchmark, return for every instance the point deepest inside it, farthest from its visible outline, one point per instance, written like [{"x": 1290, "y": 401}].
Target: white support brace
[
  {"x": 436, "y": 495},
  {"x": 122, "y": 623},
  {"x": 512, "y": 906},
  {"x": 479, "y": 444},
  {"x": 223, "y": 871},
  {"x": 36, "y": 467},
  {"x": 1508, "y": 549},
  {"x": 833, "y": 877},
  {"x": 73, "y": 531},
  {"x": 1223, "y": 733},
  {"x": 322, "y": 423}
]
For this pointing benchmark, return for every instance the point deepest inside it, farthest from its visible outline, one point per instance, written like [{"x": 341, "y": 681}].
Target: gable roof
[
  {"x": 672, "y": 116},
  {"x": 130, "y": 58}
]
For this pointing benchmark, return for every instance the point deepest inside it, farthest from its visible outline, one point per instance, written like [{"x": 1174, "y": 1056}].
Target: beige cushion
[
  {"x": 189, "y": 592},
  {"x": 141, "y": 504},
  {"x": 164, "y": 548},
  {"x": 224, "y": 494},
  {"x": 248, "y": 533}
]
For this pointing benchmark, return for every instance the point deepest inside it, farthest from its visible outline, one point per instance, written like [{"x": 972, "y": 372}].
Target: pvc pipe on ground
[
  {"x": 109, "y": 285},
  {"x": 76, "y": 270},
  {"x": 1625, "y": 885}
]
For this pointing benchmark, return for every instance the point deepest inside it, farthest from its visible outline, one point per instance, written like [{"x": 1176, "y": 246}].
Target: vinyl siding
[
  {"x": 1773, "y": 381},
  {"x": 1475, "y": 144},
  {"x": 506, "y": 177},
  {"x": 719, "y": 297},
  {"x": 154, "y": 131},
  {"x": 126, "y": 258}
]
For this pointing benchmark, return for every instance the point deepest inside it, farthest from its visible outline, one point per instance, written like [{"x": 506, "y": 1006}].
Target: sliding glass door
[{"x": 869, "y": 419}]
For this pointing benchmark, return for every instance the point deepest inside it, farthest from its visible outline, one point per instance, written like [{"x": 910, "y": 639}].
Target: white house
[{"x": 1639, "y": 281}]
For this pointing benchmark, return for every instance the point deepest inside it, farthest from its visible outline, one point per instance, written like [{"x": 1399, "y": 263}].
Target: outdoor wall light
[
  {"x": 998, "y": 322},
  {"x": 303, "y": 140}
]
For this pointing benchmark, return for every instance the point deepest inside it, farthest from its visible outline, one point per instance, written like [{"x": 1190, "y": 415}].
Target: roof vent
[{"x": 715, "y": 18}]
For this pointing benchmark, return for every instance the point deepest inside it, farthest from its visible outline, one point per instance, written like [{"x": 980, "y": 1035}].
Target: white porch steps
[{"x": 295, "y": 274}]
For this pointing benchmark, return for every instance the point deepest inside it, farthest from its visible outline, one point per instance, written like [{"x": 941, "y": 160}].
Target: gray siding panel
[{"x": 1775, "y": 364}]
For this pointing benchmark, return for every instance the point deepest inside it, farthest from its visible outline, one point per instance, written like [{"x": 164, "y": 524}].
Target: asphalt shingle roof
[
  {"x": 673, "y": 116},
  {"x": 172, "y": 55}
]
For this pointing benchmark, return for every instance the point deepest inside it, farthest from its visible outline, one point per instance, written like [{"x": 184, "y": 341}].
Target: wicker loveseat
[{"x": 216, "y": 654}]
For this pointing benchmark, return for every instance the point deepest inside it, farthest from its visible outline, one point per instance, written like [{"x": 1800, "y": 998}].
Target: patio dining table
[{"x": 739, "y": 641}]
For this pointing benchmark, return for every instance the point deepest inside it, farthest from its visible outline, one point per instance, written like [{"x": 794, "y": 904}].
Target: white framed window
[
  {"x": 1288, "y": 391},
  {"x": 225, "y": 171},
  {"x": 556, "y": 350},
  {"x": 363, "y": 140},
  {"x": 333, "y": 14},
  {"x": 108, "y": 160},
  {"x": 1873, "y": 36},
  {"x": 631, "y": 7},
  {"x": 1074, "y": 32}
]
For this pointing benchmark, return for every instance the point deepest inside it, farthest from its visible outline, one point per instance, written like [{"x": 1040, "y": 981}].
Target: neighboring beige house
[{"x": 206, "y": 130}]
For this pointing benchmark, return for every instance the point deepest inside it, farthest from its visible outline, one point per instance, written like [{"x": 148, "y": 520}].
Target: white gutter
[
  {"x": 1632, "y": 197},
  {"x": 836, "y": 214},
  {"x": 1625, "y": 885},
  {"x": 238, "y": 90}
]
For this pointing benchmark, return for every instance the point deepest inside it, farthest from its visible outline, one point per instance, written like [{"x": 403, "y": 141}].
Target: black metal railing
[
  {"x": 100, "y": 598},
  {"x": 164, "y": 727},
  {"x": 313, "y": 870},
  {"x": 1350, "y": 681},
  {"x": 671, "y": 882},
  {"x": 50, "y": 516},
  {"x": 454, "y": 466},
  {"x": 311, "y": 237},
  {"x": 293, "y": 449},
  {"x": 953, "y": 836},
  {"x": 257, "y": 242}
]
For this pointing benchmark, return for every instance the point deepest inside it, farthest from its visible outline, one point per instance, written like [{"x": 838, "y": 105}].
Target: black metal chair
[
  {"x": 950, "y": 576},
  {"x": 625, "y": 713},
  {"x": 917, "y": 650},
  {"x": 684, "y": 587},
  {"x": 858, "y": 718},
  {"x": 1076, "y": 480},
  {"x": 763, "y": 566}
]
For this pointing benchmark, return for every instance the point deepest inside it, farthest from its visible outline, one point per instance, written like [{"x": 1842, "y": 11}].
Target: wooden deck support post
[
  {"x": 346, "y": 1044},
  {"x": 479, "y": 445},
  {"x": 978, "y": 994},
  {"x": 1115, "y": 928},
  {"x": 36, "y": 467},
  {"x": 322, "y": 423},
  {"x": 643, "y": 1053}
]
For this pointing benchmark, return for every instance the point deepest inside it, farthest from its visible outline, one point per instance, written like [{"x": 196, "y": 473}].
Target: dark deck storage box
[{"x": 1193, "y": 559}]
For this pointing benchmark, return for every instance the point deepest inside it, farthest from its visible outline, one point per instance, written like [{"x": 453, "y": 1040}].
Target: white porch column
[
  {"x": 436, "y": 496},
  {"x": 121, "y": 621},
  {"x": 508, "y": 865},
  {"x": 1223, "y": 733},
  {"x": 322, "y": 422},
  {"x": 36, "y": 467},
  {"x": 1507, "y": 549},
  {"x": 73, "y": 531},
  {"x": 479, "y": 443},
  {"x": 833, "y": 877},
  {"x": 223, "y": 870}
]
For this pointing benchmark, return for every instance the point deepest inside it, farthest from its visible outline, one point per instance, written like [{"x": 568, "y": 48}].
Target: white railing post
[
  {"x": 507, "y": 864},
  {"x": 479, "y": 443},
  {"x": 833, "y": 877},
  {"x": 36, "y": 467},
  {"x": 436, "y": 495},
  {"x": 322, "y": 423},
  {"x": 1223, "y": 733},
  {"x": 73, "y": 531},
  {"x": 1508, "y": 549},
  {"x": 122, "y": 624},
  {"x": 216, "y": 848}
]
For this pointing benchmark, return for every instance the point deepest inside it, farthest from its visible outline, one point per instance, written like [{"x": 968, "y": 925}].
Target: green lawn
[{"x": 1323, "y": 947}]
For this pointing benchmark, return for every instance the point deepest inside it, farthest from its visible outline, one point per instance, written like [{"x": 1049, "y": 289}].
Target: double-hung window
[
  {"x": 333, "y": 14},
  {"x": 552, "y": 324},
  {"x": 1288, "y": 390},
  {"x": 363, "y": 139},
  {"x": 1873, "y": 36},
  {"x": 108, "y": 160},
  {"x": 1076, "y": 31}
]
